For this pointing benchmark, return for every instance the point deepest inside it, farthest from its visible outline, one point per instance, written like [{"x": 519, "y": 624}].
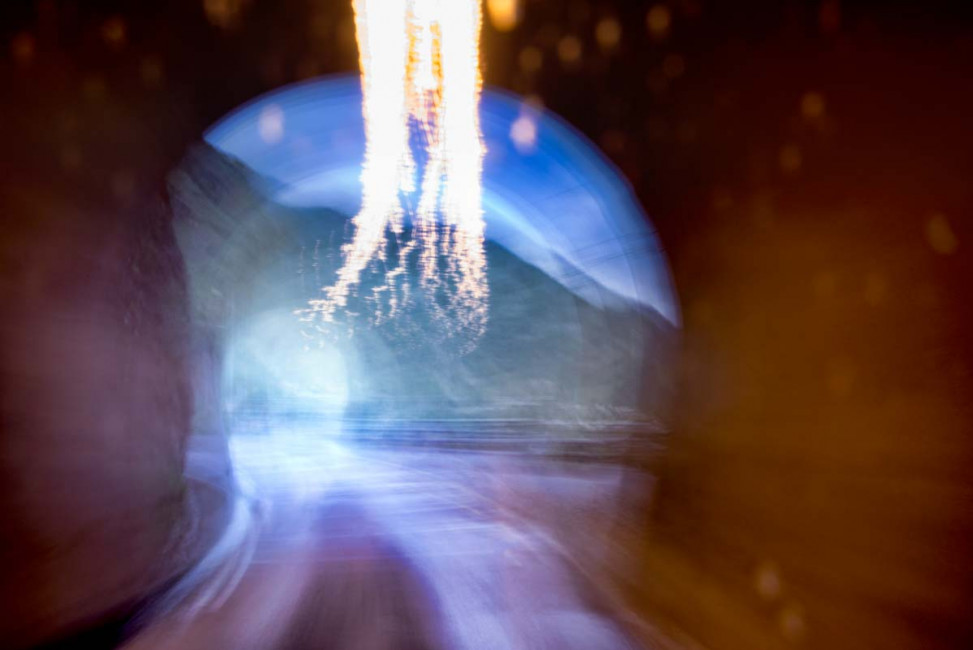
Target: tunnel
[{"x": 736, "y": 418}]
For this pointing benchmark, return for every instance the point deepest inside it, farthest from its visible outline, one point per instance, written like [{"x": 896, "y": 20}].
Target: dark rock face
[{"x": 96, "y": 408}]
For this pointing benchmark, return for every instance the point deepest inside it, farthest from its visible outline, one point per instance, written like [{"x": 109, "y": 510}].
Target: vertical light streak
[
  {"x": 383, "y": 49},
  {"x": 420, "y": 70},
  {"x": 463, "y": 153}
]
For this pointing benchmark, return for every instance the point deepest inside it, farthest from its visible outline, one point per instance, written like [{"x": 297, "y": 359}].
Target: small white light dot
[
  {"x": 523, "y": 132},
  {"x": 270, "y": 124}
]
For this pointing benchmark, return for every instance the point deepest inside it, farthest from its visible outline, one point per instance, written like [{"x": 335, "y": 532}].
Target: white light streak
[{"x": 420, "y": 74}]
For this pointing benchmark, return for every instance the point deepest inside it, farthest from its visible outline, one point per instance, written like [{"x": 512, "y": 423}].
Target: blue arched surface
[{"x": 561, "y": 206}]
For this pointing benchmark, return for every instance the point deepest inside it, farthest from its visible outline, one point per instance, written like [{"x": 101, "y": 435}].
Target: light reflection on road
[{"x": 376, "y": 548}]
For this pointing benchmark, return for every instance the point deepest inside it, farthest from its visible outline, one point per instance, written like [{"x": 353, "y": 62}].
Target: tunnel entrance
[{"x": 583, "y": 320}]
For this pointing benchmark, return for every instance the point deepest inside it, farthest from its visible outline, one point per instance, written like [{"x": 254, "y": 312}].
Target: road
[{"x": 374, "y": 549}]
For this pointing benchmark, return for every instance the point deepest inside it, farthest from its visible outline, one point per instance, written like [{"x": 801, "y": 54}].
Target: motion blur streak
[
  {"x": 420, "y": 68},
  {"x": 384, "y": 46}
]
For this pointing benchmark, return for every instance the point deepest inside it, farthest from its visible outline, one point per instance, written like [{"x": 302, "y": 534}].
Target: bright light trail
[{"x": 420, "y": 74}]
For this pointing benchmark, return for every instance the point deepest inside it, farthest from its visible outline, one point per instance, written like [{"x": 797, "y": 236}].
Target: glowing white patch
[
  {"x": 523, "y": 132},
  {"x": 271, "y": 124}
]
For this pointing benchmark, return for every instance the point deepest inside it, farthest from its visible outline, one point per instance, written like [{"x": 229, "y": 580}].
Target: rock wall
[
  {"x": 817, "y": 488},
  {"x": 96, "y": 408}
]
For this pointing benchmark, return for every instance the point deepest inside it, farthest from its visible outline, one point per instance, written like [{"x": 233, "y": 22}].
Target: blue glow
[{"x": 561, "y": 206}]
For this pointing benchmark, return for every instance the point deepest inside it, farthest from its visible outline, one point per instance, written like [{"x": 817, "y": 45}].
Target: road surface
[{"x": 373, "y": 549}]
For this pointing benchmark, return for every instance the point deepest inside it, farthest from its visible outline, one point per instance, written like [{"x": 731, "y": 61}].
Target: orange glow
[
  {"x": 940, "y": 235},
  {"x": 22, "y": 47},
  {"x": 114, "y": 32},
  {"x": 658, "y": 20},
  {"x": 608, "y": 33},
  {"x": 812, "y": 105},
  {"x": 504, "y": 14},
  {"x": 569, "y": 49}
]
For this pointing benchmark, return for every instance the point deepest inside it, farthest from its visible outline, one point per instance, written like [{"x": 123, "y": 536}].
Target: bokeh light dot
[
  {"x": 658, "y": 20},
  {"x": 271, "y": 124},
  {"x": 523, "y": 133},
  {"x": 504, "y": 14},
  {"x": 531, "y": 59},
  {"x": 608, "y": 33},
  {"x": 114, "y": 32},
  {"x": 940, "y": 235},
  {"x": 569, "y": 49},
  {"x": 22, "y": 48},
  {"x": 812, "y": 105}
]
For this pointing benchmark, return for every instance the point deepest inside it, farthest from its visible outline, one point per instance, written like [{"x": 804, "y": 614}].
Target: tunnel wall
[
  {"x": 96, "y": 409},
  {"x": 816, "y": 490},
  {"x": 222, "y": 235}
]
